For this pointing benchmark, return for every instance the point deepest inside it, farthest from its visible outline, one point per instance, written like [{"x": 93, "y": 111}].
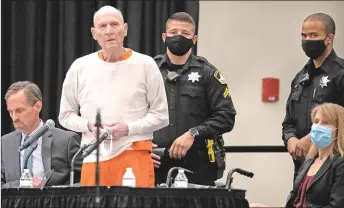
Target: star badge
[
  {"x": 194, "y": 76},
  {"x": 323, "y": 81}
]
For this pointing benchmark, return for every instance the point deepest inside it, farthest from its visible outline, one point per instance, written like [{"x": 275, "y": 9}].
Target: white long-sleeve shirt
[{"x": 131, "y": 90}]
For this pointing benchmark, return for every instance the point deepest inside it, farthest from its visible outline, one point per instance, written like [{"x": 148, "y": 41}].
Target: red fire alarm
[{"x": 270, "y": 89}]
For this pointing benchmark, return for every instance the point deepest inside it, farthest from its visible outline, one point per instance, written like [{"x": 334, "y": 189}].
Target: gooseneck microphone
[
  {"x": 49, "y": 124},
  {"x": 93, "y": 146}
]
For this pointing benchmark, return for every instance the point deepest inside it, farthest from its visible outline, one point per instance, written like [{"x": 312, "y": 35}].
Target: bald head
[
  {"x": 109, "y": 29},
  {"x": 107, "y": 10},
  {"x": 328, "y": 23}
]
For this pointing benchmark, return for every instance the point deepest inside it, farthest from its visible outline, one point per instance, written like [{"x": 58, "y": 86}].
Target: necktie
[{"x": 26, "y": 152}]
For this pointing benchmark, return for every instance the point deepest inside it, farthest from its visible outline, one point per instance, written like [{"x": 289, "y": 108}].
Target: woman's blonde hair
[{"x": 334, "y": 115}]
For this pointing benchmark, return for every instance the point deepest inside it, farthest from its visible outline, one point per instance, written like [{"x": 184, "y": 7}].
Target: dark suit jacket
[
  {"x": 58, "y": 149},
  {"x": 327, "y": 186}
]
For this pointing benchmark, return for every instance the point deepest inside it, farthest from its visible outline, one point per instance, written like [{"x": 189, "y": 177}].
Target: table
[{"x": 83, "y": 197}]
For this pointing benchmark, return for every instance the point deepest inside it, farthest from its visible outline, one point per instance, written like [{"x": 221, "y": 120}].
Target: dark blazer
[
  {"x": 327, "y": 186},
  {"x": 58, "y": 149}
]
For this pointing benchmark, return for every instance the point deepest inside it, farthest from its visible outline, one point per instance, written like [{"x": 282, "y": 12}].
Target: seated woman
[{"x": 320, "y": 181}]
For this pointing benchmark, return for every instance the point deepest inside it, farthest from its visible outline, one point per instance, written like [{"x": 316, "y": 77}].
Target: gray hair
[
  {"x": 31, "y": 90},
  {"x": 107, "y": 9}
]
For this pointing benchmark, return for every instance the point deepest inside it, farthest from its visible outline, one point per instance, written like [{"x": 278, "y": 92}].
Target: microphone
[
  {"x": 47, "y": 126},
  {"x": 103, "y": 135}
]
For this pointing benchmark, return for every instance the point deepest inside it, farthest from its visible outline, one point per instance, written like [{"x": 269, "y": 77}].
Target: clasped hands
[
  {"x": 178, "y": 149},
  {"x": 119, "y": 129},
  {"x": 298, "y": 148}
]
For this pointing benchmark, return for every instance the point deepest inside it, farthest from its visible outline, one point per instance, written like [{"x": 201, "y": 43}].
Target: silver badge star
[
  {"x": 323, "y": 81},
  {"x": 194, "y": 76}
]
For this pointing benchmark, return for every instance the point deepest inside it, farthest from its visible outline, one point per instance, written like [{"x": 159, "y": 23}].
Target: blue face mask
[{"x": 321, "y": 136}]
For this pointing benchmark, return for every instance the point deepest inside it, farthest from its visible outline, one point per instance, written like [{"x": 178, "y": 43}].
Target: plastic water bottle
[
  {"x": 25, "y": 179},
  {"x": 129, "y": 178},
  {"x": 181, "y": 180}
]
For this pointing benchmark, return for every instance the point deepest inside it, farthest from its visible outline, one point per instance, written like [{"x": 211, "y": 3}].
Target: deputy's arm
[
  {"x": 222, "y": 117},
  {"x": 339, "y": 82},
  {"x": 288, "y": 125}
]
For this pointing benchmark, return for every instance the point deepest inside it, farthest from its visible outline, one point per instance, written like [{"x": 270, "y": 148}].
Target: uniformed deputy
[
  {"x": 200, "y": 107},
  {"x": 320, "y": 81}
]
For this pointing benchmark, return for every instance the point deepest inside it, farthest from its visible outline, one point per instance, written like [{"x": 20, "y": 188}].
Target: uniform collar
[
  {"x": 191, "y": 62},
  {"x": 326, "y": 65}
]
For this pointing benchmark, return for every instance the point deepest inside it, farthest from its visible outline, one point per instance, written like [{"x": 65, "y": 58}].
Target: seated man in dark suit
[{"x": 55, "y": 149}]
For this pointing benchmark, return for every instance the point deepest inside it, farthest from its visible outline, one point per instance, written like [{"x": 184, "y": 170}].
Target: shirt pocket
[
  {"x": 318, "y": 95},
  {"x": 192, "y": 100},
  {"x": 295, "y": 95},
  {"x": 294, "y": 103}
]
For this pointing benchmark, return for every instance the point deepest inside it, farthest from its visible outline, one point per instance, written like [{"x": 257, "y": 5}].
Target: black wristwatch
[{"x": 194, "y": 132}]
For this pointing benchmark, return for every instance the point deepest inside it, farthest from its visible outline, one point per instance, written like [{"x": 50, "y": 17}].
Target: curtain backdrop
[{"x": 41, "y": 39}]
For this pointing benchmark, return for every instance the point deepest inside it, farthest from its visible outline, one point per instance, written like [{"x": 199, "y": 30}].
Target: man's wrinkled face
[
  {"x": 109, "y": 30},
  {"x": 23, "y": 114}
]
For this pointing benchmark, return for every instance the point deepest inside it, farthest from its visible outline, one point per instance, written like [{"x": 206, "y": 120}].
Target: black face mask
[
  {"x": 178, "y": 45},
  {"x": 313, "y": 48}
]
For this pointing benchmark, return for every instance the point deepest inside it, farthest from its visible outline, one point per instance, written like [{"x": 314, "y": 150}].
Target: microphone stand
[
  {"x": 71, "y": 176},
  {"x": 33, "y": 147},
  {"x": 98, "y": 125}
]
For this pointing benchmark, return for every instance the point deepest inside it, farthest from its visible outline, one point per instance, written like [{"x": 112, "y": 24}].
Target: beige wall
[{"x": 248, "y": 41}]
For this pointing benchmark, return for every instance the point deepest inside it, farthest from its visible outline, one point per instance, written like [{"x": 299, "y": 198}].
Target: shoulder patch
[{"x": 219, "y": 77}]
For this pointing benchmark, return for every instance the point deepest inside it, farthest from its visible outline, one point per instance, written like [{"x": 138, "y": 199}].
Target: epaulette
[
  {"x": 340, "y": 61},
  {"x": 158, "y": 57},
  {"x": 205, "y": 61}
]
